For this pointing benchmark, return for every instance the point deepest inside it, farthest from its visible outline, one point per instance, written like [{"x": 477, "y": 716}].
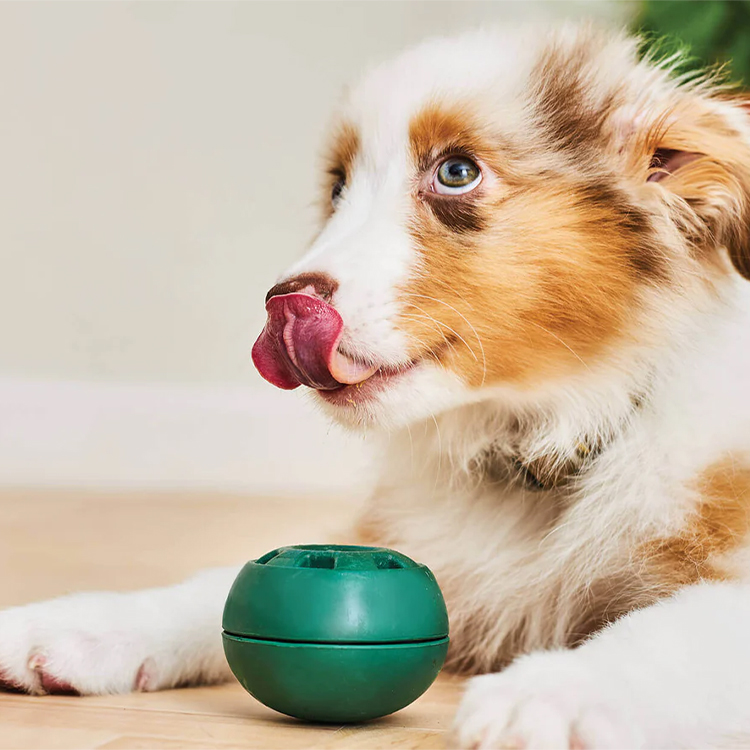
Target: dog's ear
[{"x": 700, "y": 155}]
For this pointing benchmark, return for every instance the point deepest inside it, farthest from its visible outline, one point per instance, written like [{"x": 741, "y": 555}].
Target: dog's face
[{"x": 502, "y": 214}]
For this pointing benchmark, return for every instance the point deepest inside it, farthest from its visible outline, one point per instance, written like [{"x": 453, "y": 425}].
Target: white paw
[
  {"x": 89, "y": 643},
  {"x": 547, "y": 700}
]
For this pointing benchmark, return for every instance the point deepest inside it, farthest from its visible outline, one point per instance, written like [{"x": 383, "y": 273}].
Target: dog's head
[{"x": 505, "y": 212}]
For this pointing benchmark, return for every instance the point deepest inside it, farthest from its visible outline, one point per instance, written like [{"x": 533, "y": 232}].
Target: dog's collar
[
  {"x": 501, "y": 465},
  {"x": 550, "y": 472}
]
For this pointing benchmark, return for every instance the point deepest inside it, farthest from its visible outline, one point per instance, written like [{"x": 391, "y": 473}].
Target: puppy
[{"x": 530, "y": 274}]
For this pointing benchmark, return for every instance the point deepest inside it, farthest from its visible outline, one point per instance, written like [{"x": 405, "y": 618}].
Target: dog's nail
[
  {"x": 48, "y": 683},
  {"x": 36, "y": 662},
  {"x": 145, "y": 677}
]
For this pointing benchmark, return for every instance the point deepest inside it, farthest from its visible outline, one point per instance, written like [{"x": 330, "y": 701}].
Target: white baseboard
[{"x": 173, "y": 436}]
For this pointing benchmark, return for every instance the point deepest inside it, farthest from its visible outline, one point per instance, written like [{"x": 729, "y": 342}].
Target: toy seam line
[
  {"x": 340, "y": 571},
  {"x": 408, "y": 642}
]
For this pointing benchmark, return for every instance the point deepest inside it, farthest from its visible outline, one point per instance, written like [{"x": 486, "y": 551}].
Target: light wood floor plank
[{"x": 52, "y": 542}]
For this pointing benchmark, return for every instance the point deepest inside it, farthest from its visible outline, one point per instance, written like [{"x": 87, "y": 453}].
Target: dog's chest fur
[{"x": 538, "y": 550}]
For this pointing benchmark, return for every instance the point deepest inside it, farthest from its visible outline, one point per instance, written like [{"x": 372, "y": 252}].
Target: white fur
[
  {"x": 104, "y": 642},
  {"x": 671, "y": 675}
]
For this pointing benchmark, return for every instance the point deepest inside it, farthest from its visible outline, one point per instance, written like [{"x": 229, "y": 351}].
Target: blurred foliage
[{"x": 710, "y": 31}]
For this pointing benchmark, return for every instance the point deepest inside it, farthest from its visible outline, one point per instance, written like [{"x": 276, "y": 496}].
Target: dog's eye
[
  {"x": 456, "y": 175},
  {"x": 337, "y": 189}
]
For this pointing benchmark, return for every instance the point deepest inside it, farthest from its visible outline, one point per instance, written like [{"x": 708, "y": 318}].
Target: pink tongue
[{"x": 299, "y": 345}]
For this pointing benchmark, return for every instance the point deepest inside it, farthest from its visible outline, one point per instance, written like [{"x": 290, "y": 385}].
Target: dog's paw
[
  {"x": 82, "y": 644},
  {"x": 549, "y": 700}
]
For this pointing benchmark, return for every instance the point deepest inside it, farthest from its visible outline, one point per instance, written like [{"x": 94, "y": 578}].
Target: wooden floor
[{"x": 55, "y": 542}]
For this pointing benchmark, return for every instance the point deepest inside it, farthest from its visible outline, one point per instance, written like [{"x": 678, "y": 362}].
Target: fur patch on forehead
[
  {"x": 440, "y": 129},
  {"x": 567, "y": 105}
]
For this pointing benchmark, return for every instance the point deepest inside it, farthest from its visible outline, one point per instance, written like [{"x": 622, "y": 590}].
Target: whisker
[
  {"x": 468, "y": 323},
  {"x": 432, "y": 415},
  {"x": 463, "y": 299},
  {"x": 445, "y": 325},
  {"x": 411, "y": 445},
  {"x": 428, "y": 351},
  {"x": 555, "y": 336},
  {"x": 439, "y": 330},
  {"x": 440, "y": 452}
]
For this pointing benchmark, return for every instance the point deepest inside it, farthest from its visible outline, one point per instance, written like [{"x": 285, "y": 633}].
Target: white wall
[{"x": 157, "y": 172}]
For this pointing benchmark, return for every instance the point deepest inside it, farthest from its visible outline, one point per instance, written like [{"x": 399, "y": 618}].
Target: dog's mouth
[{"x": 301, "y": 345}]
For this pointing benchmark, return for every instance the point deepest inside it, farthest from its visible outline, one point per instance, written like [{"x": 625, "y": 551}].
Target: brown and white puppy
[{"x": 530, "y": 274}]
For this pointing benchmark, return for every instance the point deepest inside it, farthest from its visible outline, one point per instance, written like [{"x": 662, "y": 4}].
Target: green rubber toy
[{"x": 335, "y": 633}]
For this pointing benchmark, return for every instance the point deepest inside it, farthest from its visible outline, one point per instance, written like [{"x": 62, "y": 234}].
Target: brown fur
[
  {"x": 539, "y": 272},
  {"x": 719, "y": 525},
  {"x": 547, "y": 277},
  {"x": 340, "y": 157},
  {"x": 439, "y": 131},
  {"x": 564, "y": 113},
  {"x": 715, "y": 187}
]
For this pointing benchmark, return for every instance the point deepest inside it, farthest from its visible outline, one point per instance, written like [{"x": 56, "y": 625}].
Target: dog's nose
[
  {"x": 299, "y": 343},
  {"x": 318, "y": 284}
]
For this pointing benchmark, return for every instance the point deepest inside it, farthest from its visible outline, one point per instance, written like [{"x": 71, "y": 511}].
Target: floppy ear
[{"x": 702, "y": 157}]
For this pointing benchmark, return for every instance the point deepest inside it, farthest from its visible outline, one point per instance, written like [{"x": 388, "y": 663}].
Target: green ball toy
[{"x": 335, "y": 634}]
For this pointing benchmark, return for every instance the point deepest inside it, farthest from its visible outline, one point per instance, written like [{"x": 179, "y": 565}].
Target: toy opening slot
[
  {"x": 388, "y": 562},
  {"x": 318, "y": 559}
]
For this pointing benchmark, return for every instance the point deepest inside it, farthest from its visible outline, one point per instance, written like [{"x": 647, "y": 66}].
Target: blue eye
[{"x": 457, "y": 175}]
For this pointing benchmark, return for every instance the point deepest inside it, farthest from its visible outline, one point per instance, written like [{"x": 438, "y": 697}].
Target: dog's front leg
[
  {"x": 676, "y": 674},
  {"x": 105, "y": 642}
]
